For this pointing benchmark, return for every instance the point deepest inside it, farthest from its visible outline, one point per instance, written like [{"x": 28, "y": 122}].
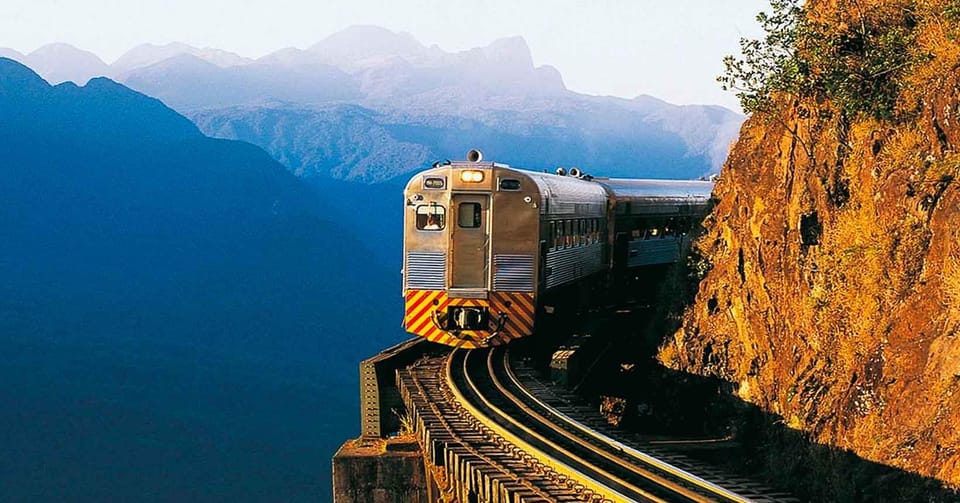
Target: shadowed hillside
[{"x": 179, "y": 313}]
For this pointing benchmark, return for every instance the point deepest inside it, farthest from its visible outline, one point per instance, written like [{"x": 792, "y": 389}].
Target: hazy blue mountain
[
  {"x": 145, "y": 55},
  {"x": 180, "y": 315},
  {"x": 360, "y": 47},
  {"x": 373, "y": 66},
  {"x": 405, "y": 105},
  {"x": 6, "y": 52},
  {"x": 62, "y": 62},
  {"x": 338, "y": 141},
  {"x": 355, "y": 143},
  {"x": 390, "y": 64},
  {"x": 402, "y": 105},
  {"x": 187, "y": 82}
]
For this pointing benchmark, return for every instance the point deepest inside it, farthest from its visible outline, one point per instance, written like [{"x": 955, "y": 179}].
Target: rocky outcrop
[{"x": 833, "y": 295}]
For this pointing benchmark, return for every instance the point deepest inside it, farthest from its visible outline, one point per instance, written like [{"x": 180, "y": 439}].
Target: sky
[{"x": 670, "y": 49}]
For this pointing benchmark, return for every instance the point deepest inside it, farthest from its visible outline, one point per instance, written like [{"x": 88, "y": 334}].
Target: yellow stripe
[
  {"x": 496, "y": 304},
  {"x": 422, "y": 303},
  {"x": 426, "y": 306},
  {"x": 420, "y": 306},
  {"x": 520, "y": 308},
  {"x": 424, "y": 319},
  {"x": 414, "y": 302},
  {"x": 528, "y": 307},
  {"x": 410, "y": 300},
  {"x": 523, "y": 317}
]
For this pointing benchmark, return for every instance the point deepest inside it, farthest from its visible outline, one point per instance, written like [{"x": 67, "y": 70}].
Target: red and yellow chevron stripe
[{"x": 421, "y": 305}]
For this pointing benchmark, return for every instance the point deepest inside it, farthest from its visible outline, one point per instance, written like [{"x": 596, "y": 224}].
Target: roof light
[{"x": 471, "y": 176}]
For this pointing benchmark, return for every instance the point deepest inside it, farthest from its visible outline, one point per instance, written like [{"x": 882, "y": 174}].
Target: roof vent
[
  {"x": 474, "y": 155},
  {"x": 561, "y": 172}
]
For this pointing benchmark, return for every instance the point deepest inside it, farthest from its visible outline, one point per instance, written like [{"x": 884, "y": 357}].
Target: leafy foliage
[
  {"x": 951, "y": 12},
  {"x": 854, "y": 58},
  {"x": 768, "y": 65}
]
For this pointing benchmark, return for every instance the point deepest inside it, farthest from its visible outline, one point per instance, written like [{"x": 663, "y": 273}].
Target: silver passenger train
[{"x": 489, "y": 249}]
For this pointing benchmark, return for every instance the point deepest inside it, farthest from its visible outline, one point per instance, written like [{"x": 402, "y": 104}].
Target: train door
[{"x": 470, "y": 240}]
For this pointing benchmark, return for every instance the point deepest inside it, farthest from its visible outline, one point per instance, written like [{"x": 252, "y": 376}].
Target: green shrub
[{"x": 856, "y": 60}]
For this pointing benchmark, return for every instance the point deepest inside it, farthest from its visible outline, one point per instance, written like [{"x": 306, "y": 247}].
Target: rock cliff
[{"x": 832, "y": 297}]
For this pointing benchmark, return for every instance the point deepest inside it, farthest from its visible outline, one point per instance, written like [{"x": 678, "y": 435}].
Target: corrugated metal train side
[{"x": 486, "y": 245}]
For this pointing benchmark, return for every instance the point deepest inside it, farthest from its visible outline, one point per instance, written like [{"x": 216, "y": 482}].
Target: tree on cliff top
[{"x": 851, "y": 56}]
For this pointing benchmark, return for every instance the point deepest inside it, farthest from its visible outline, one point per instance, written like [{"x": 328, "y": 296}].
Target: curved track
[{"x": 484, "y": 383}]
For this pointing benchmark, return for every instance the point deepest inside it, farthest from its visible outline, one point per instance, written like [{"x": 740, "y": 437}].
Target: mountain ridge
[{"x": 145, "y": 55}]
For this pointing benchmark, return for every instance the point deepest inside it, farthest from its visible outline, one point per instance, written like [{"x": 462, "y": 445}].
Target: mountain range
[
  {"x": 180, "y": 313},
  {"x": 409, "y": 105}
]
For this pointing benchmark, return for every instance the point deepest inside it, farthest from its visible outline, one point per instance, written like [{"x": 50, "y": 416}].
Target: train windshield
[{"x": 431, "y": 217}]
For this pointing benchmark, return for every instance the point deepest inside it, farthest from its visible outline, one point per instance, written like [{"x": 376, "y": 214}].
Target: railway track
[
  {"x": 498, "y": 441},
  {"x": 474, "y": 459},
  {"x": 568, "y": 408}
]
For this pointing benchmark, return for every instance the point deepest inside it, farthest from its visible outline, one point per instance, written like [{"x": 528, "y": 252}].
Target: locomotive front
[{"x": 470, "y": 253}]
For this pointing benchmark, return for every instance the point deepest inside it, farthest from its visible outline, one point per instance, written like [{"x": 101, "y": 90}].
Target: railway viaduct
[{"x": 473, "y": 426}]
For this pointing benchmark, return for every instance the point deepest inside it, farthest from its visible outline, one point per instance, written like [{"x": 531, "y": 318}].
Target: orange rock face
[{"x": 833, "y": 299}]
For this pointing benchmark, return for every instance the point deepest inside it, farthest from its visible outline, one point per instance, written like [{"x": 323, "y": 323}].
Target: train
[{"x": 490, "y": 250}]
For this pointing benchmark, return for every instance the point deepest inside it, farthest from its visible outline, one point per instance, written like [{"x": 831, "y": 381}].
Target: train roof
[
  {"x": 560, "y": 194},
  {"x": 623, "y": 188},
  {"x": 569, "y": 187}
]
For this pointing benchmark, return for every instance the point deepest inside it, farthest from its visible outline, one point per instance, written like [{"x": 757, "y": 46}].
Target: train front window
[
  {"x": 469, "y": 215},
  {"x": 431, "y": 217}
]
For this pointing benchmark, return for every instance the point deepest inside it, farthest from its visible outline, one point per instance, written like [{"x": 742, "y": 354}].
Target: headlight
[{"x": 471, "y": 176}]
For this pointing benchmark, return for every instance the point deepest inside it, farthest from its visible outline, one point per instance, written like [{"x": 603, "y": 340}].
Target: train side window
[
  {"x": 431, "y": 217},
  {"x": 468, "y": 215},
  {"x": 567, "y": 233},
  {"x": 555, "y": 230}
]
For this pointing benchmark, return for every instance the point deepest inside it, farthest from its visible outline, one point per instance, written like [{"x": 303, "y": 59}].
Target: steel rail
[
  {"x": 626, "y": 449},
  {"x": 486, "y": 459},
  {"x": 618, "y": 461},
  {"x": 560, "y": 467}
]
